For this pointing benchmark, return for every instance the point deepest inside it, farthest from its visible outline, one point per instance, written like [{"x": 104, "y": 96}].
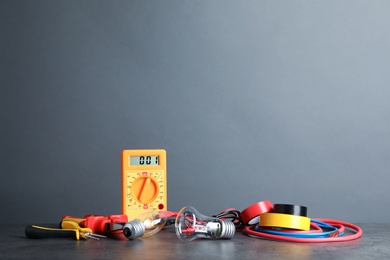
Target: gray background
[{"x": 285, "y": 101}]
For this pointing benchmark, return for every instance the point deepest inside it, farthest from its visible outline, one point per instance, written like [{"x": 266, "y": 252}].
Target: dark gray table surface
[{"x": 374, "y": 244}]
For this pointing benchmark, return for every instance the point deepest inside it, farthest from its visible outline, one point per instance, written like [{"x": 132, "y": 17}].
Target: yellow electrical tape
[{"x": 278, "y": 220}]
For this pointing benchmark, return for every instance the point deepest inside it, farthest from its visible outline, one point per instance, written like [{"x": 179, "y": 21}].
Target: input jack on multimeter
[{"x": 144, "y": 181}]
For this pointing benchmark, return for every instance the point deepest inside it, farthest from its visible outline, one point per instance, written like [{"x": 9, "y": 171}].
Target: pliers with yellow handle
[{"x": 69, "y": 229}]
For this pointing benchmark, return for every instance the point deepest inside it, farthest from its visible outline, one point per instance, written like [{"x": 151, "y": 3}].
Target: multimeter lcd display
[{"x": 144, "y": 160}]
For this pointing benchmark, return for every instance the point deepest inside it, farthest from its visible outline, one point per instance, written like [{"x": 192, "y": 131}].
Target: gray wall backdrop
[{"x": 285, "y": 101}]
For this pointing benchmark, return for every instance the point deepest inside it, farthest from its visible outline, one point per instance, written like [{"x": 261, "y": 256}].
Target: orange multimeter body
[{"x": 144, "y": 182}]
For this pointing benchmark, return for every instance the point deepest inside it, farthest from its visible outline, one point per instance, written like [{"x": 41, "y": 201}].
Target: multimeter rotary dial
[{"x": 144, "y": 189}]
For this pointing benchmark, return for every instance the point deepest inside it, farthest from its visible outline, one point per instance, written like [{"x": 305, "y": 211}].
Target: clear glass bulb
[
  {"x": 190, "y": 224},
  {"x": 145, "y": 225}
]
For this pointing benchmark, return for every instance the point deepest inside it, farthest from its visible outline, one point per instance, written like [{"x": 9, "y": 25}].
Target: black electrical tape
[{"x": 290, "y": 209}]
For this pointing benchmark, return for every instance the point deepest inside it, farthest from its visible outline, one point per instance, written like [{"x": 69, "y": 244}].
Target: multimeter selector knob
[{"x": 144, "y": 189}]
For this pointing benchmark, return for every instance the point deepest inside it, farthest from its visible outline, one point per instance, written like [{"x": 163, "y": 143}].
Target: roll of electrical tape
[
  {"x": 290, "y": 209},
  {"x": 278, "y": 220},
  {"x": 250, "y": 215}
]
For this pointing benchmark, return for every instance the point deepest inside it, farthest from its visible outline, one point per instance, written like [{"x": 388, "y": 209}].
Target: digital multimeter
[{"x": 144, "y": 182}]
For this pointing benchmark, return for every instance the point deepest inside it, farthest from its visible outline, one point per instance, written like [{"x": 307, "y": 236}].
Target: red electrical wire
[{"x": 358, "y": 233}]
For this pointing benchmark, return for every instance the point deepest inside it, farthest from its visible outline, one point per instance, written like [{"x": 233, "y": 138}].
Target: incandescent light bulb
[
  {"x": 145, "y": 225},
  {"x": 190, "y": 224}
]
